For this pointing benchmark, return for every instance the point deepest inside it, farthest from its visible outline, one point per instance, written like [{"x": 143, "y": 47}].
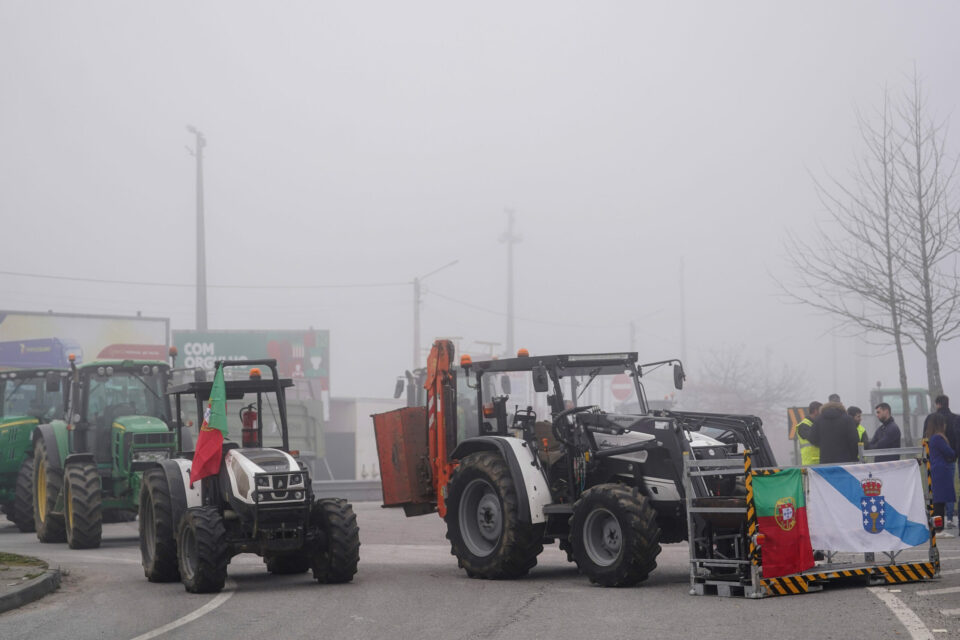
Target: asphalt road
[{"x": 409, "y": 586}]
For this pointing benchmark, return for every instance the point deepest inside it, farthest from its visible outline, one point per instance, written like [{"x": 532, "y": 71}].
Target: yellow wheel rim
[
  {"x": 42, "y": 491},
  {"x": 69, "y": 505}
]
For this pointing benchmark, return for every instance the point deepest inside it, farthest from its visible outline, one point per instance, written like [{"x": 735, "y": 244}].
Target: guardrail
[{"x": 352, "y": 490}]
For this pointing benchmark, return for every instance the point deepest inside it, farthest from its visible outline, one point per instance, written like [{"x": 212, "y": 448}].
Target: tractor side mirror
[
  {"x": 398, "y": 388},
  {"x": 541, "y": 382},
  {"x": 678, "y": 376},
  {"x": 52, "y": 381},
  {"x": 505, "y": 384}
]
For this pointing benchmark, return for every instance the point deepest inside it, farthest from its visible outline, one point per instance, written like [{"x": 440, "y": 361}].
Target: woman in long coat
[{"x": 941, "y": 464}]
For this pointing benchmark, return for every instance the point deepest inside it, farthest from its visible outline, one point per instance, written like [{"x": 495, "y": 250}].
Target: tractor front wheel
[
  {"x": 158, "y": 546},
  {"x": 614, "y": 535},
  {"x": 21, "y": 513},
  {"x": 202, "y": 550},
  {"x": 336, "y": 562},
  {"x": 83, "y": 506},
  {"x": 483, "y": 520},
  {"x": 47, "y": 483}
]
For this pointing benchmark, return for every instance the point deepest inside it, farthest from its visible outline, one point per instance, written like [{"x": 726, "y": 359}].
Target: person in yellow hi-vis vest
[
  {"x": 857, "y": 415},
  {"x": 809, "y": 452}
]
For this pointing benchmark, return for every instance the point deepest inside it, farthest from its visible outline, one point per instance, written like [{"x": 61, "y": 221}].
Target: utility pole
[
  {"x": 417, "y": 289},
  {"x": 511, "y": 239},
  {"x": 683, "y": 315},
  {"x": 199, "y": 143},
  {"x": 633, "y": 335}
]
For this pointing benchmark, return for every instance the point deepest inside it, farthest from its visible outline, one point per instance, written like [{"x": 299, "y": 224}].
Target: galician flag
[
  {"x": 868, "y": 507},
  {"x": 782, "y": 519},
  {"x": 206, "y": 457}
]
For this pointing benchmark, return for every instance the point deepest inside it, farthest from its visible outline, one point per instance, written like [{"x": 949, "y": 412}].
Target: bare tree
[
  {"x": 852, "y": 272},
  {"x": 731, "y": 382},
  {"x": 929, "y": 283},
  {"x": 887, "y": 263}
]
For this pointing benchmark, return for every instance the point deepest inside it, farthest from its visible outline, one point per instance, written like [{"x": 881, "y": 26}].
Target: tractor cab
[{"x": 118, "y": 413}]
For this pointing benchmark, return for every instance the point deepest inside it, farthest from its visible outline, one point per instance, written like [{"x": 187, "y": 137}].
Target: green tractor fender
[{"x": 56, "y": 441}]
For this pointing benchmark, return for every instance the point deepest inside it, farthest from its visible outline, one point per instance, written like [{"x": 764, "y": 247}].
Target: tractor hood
[
  {"x": 140, "y": 424},
  {"x": 274, "y": 475}
]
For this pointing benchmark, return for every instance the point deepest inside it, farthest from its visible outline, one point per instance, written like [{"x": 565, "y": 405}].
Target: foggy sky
[{"x": 372, "y": 142}]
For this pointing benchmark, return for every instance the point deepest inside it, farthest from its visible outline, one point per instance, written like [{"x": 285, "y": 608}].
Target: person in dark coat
[
  {"x": 941, "y": 464},
  {"x": 835, "y": 433},
  {"x": 887, "y": 435},
  {"x": 953, "y": 439}
]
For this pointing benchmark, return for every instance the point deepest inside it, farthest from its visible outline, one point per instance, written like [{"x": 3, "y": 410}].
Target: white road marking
[
  {"x": 949, "y": 572},
  {"x": 938, "y": 592},
  {"x": 950, "y": 612},
  {"x": 221, "y": 597},
  {"x": 913, "y": 624}
]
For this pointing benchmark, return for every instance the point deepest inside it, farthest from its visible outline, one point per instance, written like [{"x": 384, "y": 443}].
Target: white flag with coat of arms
[{"x": 867, "y": 507}]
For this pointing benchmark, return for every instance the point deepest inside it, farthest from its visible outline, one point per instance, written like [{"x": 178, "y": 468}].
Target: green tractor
[
  {"x": 88, "y": 468},
  {"x": 30, "y": 397}
]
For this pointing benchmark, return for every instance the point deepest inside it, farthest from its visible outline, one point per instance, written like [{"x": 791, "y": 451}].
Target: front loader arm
[{"x": 441, "y": 392}]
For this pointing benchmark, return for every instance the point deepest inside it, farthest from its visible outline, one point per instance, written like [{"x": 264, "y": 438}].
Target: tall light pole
[
  {"x": 510, "y": 238},
  {"x": 416, "y": 311},
  {"x": 199, "y": 143}
]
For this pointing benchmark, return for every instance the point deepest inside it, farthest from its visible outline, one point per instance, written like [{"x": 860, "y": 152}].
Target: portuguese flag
[
  {"x": 782, "y": 517},
  {"x": 206, "y": 458}
]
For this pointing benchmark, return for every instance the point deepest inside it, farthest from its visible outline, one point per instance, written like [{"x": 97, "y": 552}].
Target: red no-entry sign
[{"x": 621, "y": 386}]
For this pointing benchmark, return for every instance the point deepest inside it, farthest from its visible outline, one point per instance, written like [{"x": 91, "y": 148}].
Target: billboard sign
[
  {"x": 30, "y": 339},
  {"x": 299, "y": 354}
]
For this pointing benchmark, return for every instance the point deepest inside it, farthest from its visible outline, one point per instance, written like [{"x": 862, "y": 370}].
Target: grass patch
[{"x": 13, "y": 560}]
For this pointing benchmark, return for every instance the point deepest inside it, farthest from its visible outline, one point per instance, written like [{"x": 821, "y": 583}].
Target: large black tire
[
  {"x": 614, "y": 535},
  {"x": 202, "y": 550},
  {"x": 483, "y": 520},
  {"x": 158, "y": 546},
  {"x": 47, "y": 484},
  {"x": 288, "y": 563},
  {"x": 336, "y": 562},
  {"x": 21, "y": 511},
  {"x": 83, "y": 506}
]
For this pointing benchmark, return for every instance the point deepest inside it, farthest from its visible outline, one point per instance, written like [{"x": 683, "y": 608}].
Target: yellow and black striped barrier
[{"x": 891, "y": 574}]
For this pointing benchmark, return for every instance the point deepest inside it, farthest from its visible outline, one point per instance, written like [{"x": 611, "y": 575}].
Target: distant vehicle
[
  {"x": 39, "y": 352},
  {"x": 919, "y": 407},
  {"x": 30, "y": 397}
]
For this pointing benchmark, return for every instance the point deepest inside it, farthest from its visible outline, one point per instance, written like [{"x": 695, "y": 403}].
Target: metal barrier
[{"x": 722, "y": 533}]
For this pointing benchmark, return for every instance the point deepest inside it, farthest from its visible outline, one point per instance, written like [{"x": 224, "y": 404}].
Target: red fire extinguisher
[{"x": 248, "y": 417}]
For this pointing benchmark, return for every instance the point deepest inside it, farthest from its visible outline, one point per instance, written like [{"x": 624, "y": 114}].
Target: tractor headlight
[
  {"x": 150, "y": 456},
  {"x": 263, "y": 482},
  {"x": 296, "y": 479},
  {"x": 298, "y": 495}
]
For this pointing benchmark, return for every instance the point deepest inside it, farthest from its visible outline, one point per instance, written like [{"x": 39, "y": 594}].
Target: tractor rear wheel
[
  {"x": 47, "y": 483},
  {"x": 483, "y": 520},
  {"x": 614, "y": 535},
  {"x": 82, "y": 505},
  {"x": 21, "y": 513},
  {"x": 287, "y": 563},
  {"x": 202, "y": 550},
  {"x": 337, "y": 561},
  {"x": 158, "y": 547}
]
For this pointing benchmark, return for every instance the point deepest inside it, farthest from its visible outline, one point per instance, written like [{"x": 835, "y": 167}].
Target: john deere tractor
[
  {"x": 88, "y": 467},
  {"x": 30, "y": 397},
  {"x": 260, "y": 501}
]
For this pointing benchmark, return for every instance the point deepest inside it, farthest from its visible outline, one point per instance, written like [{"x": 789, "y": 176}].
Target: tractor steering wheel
[{"x": 559, "y": 423}]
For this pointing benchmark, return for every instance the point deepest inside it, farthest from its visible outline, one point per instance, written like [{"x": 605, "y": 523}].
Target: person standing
[
  {"x": 887, "y": 435},
  {"x": 809, "y": 452},
  {"x": 952, "y": 434},
  {"x": 857, "y": 415},
  {"x": 942, "y": 457},
  {"x": 835, "y": 432}
]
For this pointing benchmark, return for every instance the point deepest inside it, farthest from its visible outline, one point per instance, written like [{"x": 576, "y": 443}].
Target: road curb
[{"x": 31, "y": 590}]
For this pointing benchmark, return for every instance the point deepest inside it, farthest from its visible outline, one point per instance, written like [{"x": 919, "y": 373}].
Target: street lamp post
[{"x": 197, "y": 151}]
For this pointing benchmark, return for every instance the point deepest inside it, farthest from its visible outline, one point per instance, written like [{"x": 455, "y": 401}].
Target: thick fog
[{"x": 639, "y": 145}]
